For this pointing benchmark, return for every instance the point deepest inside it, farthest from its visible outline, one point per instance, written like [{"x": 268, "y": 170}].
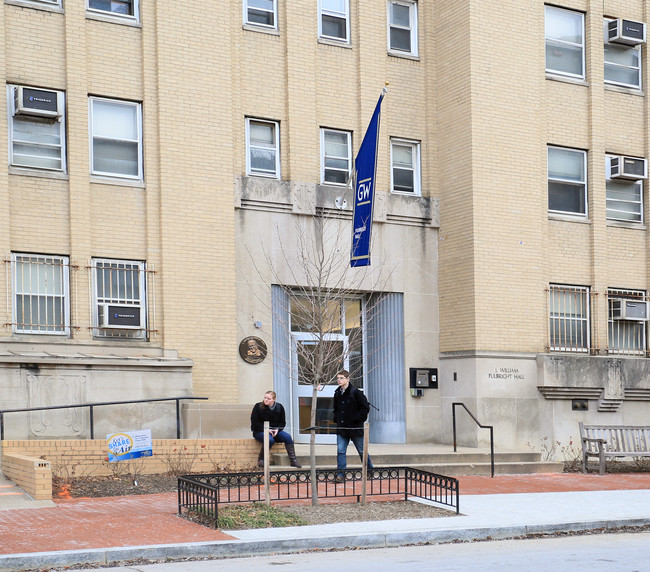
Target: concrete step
[{"x": 435, "y": 458}]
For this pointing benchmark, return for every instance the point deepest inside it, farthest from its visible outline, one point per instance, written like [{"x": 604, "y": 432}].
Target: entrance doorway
[{"x": 305, "y": 346}]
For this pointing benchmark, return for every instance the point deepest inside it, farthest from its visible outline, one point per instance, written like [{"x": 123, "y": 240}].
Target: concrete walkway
[{"x": 106, "y": 530}]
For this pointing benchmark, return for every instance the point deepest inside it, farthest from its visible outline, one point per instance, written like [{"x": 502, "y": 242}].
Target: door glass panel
[{"x": 332, "y": 356}]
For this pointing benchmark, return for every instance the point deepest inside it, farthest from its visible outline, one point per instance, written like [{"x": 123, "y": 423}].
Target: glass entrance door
[{"x": 305, "y": 351}]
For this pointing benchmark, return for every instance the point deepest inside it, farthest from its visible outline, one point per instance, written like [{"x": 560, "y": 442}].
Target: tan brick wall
[
  {"x": 477, "y": 97},
  {"x": 33, "y": 475},
  {"x": 80, "y": 458}
]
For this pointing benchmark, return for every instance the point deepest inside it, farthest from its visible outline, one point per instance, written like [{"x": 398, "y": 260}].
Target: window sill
[
  {"x": 406, "y": 194},
  {"x": 117, "y": 182},
  {"x": 262, "y": 176},
  {"x": 261, "y": 29},
  {"x": 404, "y": 55},
  {"x": 43, "y": 174},
  {"x": 36, "y": 5},
  {"x": 565, "y": 79},
  {"x": 569, "y": 218},
  {"x": 334, "y": 42},
  {"x": 623, "y": 89},
  {"x": 629, "y": 225},
  {"x": 114, "y": 19}
]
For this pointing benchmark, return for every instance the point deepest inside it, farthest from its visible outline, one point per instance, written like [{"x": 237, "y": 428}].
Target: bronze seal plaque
[{"x": 252, "y": 349}]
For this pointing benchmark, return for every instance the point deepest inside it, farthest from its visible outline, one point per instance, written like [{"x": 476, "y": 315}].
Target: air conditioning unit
[
  {"x": 119, "y": 317},
  {"x": 631, "y": 168},
  {"x": 626, "y": 32},
  {"x": 636, "y": 310},
  {"x": 37, "y": 102}
]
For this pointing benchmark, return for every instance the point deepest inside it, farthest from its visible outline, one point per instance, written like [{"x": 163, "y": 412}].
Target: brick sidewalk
[{"x": 151, "y": 519}]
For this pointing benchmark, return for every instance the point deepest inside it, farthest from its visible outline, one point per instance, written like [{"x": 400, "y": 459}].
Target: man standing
[
  {"x": 273, "y": 412},
  {"x": 350, "y": 412}
]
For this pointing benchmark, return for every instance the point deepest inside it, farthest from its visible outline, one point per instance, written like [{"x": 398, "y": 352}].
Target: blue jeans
[
  {"x": 281, "y": 437},
  {"x": 343, "y": 438}
]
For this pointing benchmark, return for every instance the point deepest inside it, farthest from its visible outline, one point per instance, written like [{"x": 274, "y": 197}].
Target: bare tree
[{"x": 314, "y": 272}]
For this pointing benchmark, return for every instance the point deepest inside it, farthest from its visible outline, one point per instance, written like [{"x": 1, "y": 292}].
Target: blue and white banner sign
[
  {"x": 365, "y": 166},
  {"x": 129, "y": 445}
]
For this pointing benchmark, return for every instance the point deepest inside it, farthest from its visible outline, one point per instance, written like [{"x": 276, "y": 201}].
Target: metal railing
[
  {"x": 201, "y": 494},
  {"x": 490, "y": 427},
  {"x": 98, "y": 404}
]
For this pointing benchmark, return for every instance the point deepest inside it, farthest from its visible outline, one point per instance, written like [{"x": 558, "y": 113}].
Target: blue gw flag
[{"x": 365, "y": 167}]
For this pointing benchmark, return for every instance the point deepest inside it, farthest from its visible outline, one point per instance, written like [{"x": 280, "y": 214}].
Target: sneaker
[{"x": 339, "y": 478}]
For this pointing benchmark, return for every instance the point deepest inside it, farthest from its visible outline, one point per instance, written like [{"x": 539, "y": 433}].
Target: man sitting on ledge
[{"x": 273, "y": 412}]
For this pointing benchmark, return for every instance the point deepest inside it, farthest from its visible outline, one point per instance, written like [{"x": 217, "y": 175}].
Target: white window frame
[
  {"x": 412, "y": 28},
  {"x": 37, "y": 4},
  {"x": 621, "y": 188},
  {"x": 626, "y": 337},
  {"x": 573, "y": 326},
  {"x": 568, "y": 181},
  {"x": 563, "y": 44},
  {"x": 323, "y": 156},
  {"x": 251, "y": 145},
  {"x": 60, "y": 121},
  {"x": 125, "y": 269},
  {"x": 40, "y": 270},
  {"x": 248, "y": 8},
  {"x": 415, "y": 153},
  {"x": 116, "y": 102},
  {"x": 326, "y": 12},
  {"x": 612, "y": 64},
  {"x": 135, "y": 17}
]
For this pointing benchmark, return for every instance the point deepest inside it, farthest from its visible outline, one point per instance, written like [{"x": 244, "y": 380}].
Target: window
[
  {"x": 261, "y": 13},
  {"x": 116, "y": 130},
  {"x": 263, "y": 148},
  {"x": 622, "y": 63},
  {"x": 123, "y": 8},
  {"x": 624, "y": 199},
  {"x": 333, "y": 19},
  {"x": 120, "y": 304},
  {"x": 403, "y": 27},
  {"x": 40, "y": 285},
  {"x": 569, "y": 318},
  {"x": 405, "y": 166},
  {"x": 565, "y": 42},
  {"x": 626, "y": 327},
  {"x": 567, "y": 181},
  {"x": 36, "y": 134},
  {"x": 335, "y": 156},
  {"x": 54, "y": 3}
]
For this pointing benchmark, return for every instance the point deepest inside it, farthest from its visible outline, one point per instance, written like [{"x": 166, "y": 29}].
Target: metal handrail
[
  {"x": 98, "y": 404},
  {"x": 490, "y": 427}
]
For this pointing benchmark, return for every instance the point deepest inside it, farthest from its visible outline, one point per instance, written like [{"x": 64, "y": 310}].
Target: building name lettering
[{"x": 506, "y": 373}]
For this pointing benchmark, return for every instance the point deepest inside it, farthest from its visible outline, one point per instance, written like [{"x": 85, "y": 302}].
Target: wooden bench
[{"x": 604, "y": 441}]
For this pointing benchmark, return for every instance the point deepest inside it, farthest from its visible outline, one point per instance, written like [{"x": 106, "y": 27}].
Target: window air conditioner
[
  {"x": 626, "y": 32},
  {"x": 37, "y": 102},
  {"x": 119, "y": 316},
  {"x": 629, "y": 310},
  {"x": 630, "y": 168}
]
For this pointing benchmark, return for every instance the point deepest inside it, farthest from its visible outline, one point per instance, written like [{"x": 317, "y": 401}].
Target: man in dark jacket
[
  {"x": 273, "y": 412},
  {"x": 350, "y": 412}
]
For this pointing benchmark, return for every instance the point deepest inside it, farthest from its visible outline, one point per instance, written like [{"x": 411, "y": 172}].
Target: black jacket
[
  {"x": 350, "y": 407},
  {"x": 261, "y": 413}
]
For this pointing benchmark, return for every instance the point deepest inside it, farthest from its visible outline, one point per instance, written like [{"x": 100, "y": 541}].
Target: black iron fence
[
  {"x": 91, "y": 408},
  {"x": 202, "y": 494}
]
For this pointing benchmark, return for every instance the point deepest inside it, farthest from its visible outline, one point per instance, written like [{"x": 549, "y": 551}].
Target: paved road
[{"x": 624, "y": 552}]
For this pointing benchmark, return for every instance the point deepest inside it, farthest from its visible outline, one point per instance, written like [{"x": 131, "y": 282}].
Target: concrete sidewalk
[{"x": 146, "y": 526}]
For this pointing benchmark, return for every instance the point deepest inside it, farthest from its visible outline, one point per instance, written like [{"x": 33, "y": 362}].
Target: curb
[{"x": 239, "y": 548}]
